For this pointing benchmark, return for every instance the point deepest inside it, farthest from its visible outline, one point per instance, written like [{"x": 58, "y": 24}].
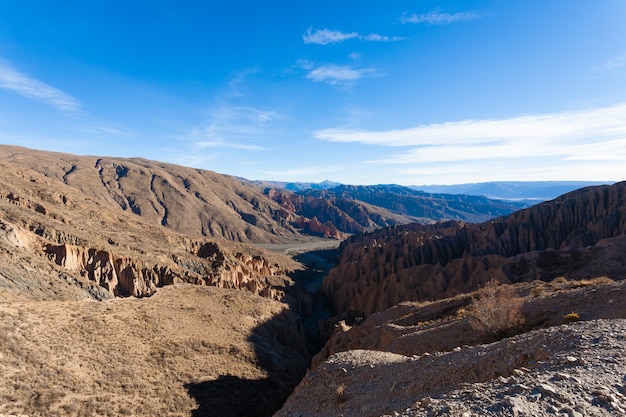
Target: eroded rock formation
[
  {"x": 566, "y": 236},
  {"x": 80, "y": 243},
  {"x": 130, "y": 276}
]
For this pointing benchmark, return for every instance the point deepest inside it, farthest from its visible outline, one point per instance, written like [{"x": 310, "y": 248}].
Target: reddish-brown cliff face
[
  {"x": 355, "y": 209},
  {"x": 343, "y": 214},
  {"x": 574, "y": 235}
]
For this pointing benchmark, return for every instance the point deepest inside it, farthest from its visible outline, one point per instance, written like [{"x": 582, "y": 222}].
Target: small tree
[{"x": 496, "y": 309}]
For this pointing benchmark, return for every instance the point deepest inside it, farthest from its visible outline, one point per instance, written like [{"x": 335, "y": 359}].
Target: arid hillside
[
  {"x": 432, "y": 359},
  {"x": 98, "y": 314},
  {"x": 185, "y": 200},
  {"x": 204, "y": 203},
  {"x": 59, "y": 242},
  {"x": 578, "y": 235},
  {"x": 185, "y": 351}
]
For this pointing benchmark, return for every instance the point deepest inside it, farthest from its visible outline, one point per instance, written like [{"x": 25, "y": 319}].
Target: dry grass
[
  {"x": 571, "y": 317},
  {"x": 497, "y": 309},
  {"x": 136, "y": 356}
]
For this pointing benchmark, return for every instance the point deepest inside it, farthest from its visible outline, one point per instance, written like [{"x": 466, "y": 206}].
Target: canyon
[{"x": 135, "y": 287}]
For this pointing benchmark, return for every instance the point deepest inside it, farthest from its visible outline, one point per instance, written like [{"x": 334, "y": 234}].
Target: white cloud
[
  {"x": 374, "y": 37},
  {"x": 327, "y": 36},
  {"x": 506, "y": 170},
  {"x": 437, "y": 18},
  {"x": 585, "y": 145},
  {"x": 108, "y": 131},
  {"x": 233, "y": 127},
  {"x": 582, "y": 125},
  {"x": 218, "y": 144},
  {"x": 336, "y": 74},
  {"x": 17, "y": 82}
]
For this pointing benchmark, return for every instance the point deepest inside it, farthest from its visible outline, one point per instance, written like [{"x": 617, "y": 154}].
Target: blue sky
[{"x": 355, "y": 91}]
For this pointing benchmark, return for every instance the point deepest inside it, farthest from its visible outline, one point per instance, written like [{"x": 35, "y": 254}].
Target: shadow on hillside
[
  {"x": 280, "y": 350},
  {"x": 233, "y": 396},
  {"x": 283, "y": 347}
]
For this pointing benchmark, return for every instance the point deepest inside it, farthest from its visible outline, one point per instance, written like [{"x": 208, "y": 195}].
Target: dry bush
[
  {"x": 571, "y": 317},
  {"x": 497, "y": 309},
  {"x": 341, "y": 393}
]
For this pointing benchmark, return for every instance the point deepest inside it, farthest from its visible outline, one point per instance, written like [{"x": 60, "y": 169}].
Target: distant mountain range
[
  {"x": 531, "y": 192},
  {"x": 204, "y": 203},
  {"x": 527, "y": 192}
]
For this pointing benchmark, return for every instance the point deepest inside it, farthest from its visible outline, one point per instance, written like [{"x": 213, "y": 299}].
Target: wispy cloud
[
  {"x": 17, "y": 82},
  {"x": 585, "y": 135},
  {"x": 585, "y": 144},
  {"x": 613, "y": 63},
  {"x": 304, "y": 172},
  {"x": 438, "y": 18},
  {"x": 572, "y": 125},
  {"x": 233, "y": 127},
  {"x": 337, "y": 74},
  {"x": 107, "y": 131},
  {"x": 327, "y": 36},
  {"x": 220, "y": 144}
]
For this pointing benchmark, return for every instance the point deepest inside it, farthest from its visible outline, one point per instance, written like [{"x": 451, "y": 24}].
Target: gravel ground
[{"x": 569, "y": 370}]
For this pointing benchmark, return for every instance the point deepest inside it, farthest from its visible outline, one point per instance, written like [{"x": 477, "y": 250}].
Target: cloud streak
[
  {"x": 585, "y": 144},
  {"x": 219, "y": 144},
  {"x": 583, "y": 125},
  {"x": 233, "y": 127},
  {"x": 613, "y": 63},
  {"x": 438, "y": 18},
  {"x": 337, "y": 74},
  {"x": 327, "y": 37},
  {"x": 20, "y": 83}
]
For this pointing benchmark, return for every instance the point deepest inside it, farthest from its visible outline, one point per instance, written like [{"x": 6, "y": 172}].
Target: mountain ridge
[
  {"x": 427, "y": 262},
  {"x": 204, "y": 203}
]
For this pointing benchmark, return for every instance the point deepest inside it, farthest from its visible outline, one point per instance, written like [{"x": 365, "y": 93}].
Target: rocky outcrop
[
  {"x": 120, "y": 275},
  {"x": 412, "y": 328},
  {"x": 573, "y": 370},
  {"x": 14, "y": 236},
  {"x": 316, "y": 228},
  {"x": 320, "y": 215},
  {"x": 417, "y": 262},
  {"x": 133, "y": 276}
]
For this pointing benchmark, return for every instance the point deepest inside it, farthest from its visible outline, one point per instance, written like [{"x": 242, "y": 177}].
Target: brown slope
[
  {"x": 186, "y": 200},
  {"x": 59, "y": 241},
  {"x": 186, "y": 351},
  {"x": 569, "y": 370},
  {"x": 576, "y": 235}
]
